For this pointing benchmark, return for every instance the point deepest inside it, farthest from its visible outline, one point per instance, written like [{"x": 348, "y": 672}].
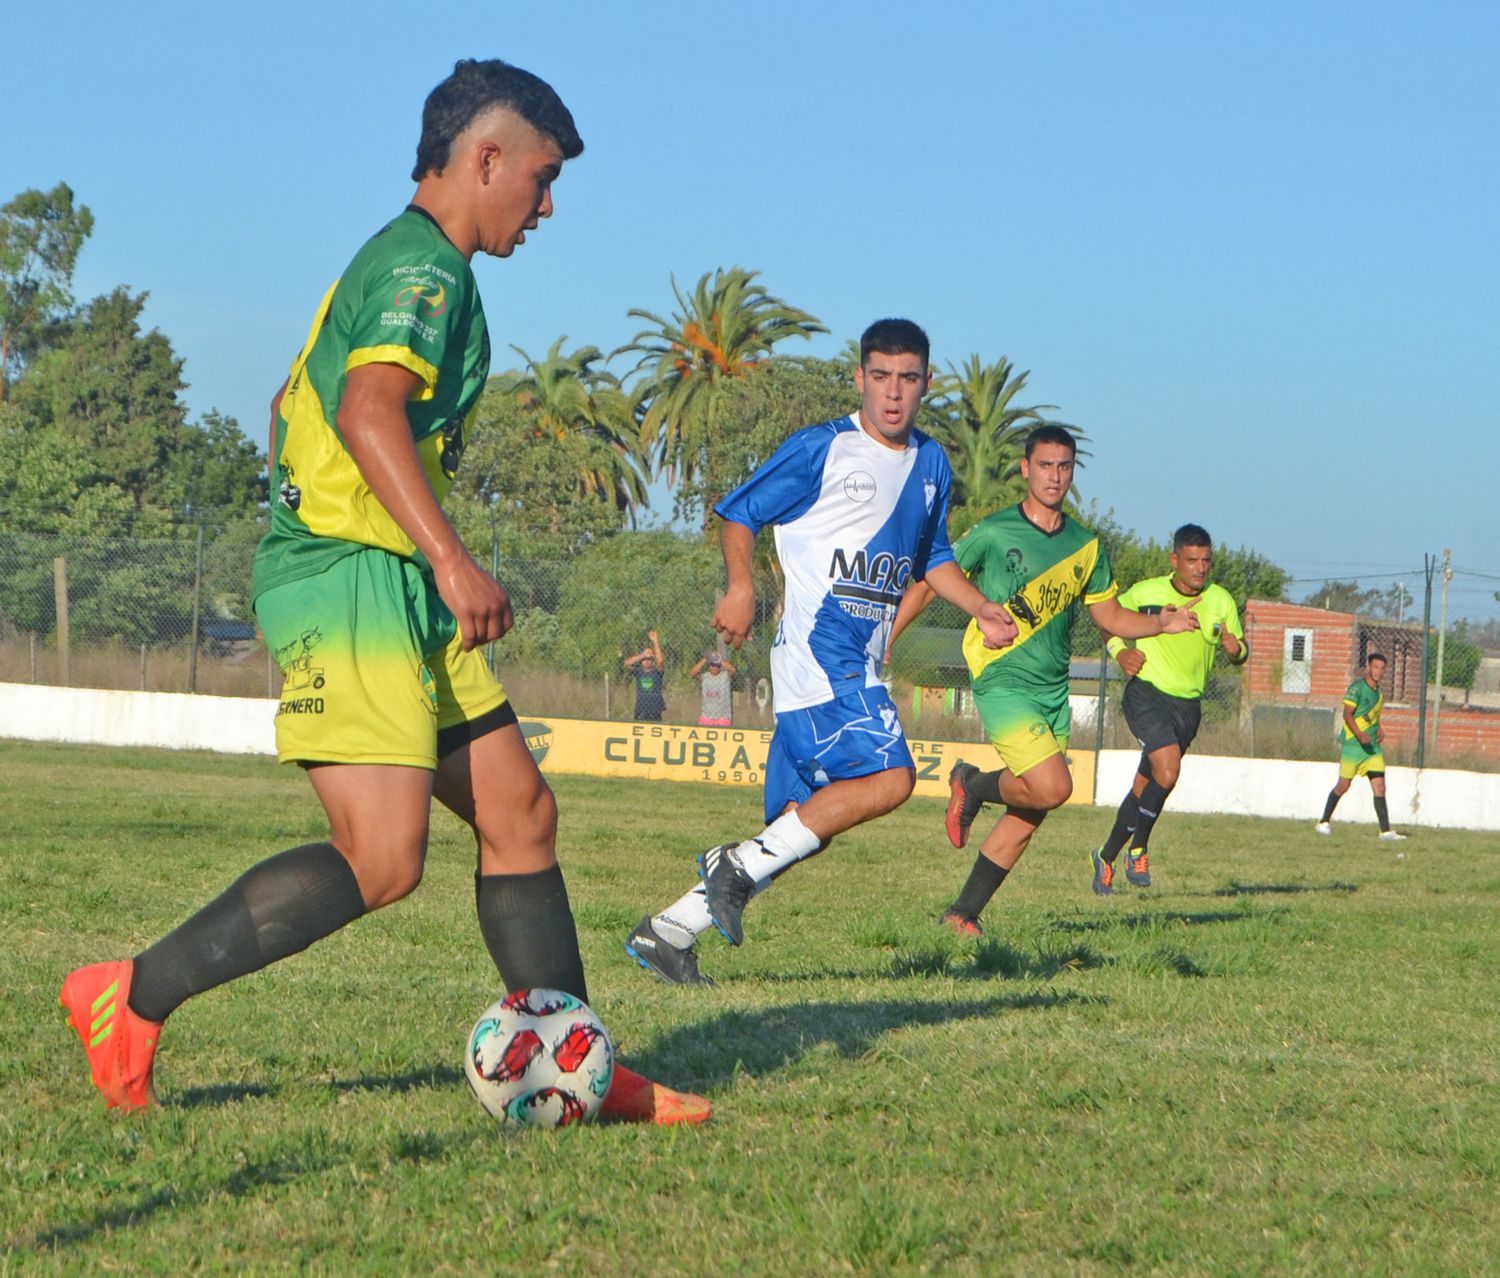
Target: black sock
[
  {"x": 274, "y": 909},
  {"x": 1125, "y": 822},
  {"x": 984, "y": 786},
  {"x": 1153, "y": 797},
  {"x": 1381, "y": 814},
  {"x": 528, "y": 927},
  {"x": 1333, "y": 802},
  {"x": 984, "y": 881}
]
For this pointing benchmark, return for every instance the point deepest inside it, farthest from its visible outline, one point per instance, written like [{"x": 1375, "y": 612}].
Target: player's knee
[
  {"x": 1053, "y": 790},
  {"x": 387, "y": 870},
  {"x": 1166, "y": 774},
  {"x": 896, "y": 785}
]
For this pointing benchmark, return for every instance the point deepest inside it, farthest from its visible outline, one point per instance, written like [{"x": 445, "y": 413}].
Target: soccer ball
[{"x": 540, "y": 1058}]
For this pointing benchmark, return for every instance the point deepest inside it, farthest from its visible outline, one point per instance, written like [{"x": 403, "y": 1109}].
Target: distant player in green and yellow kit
[
  {"x": 376, "y": 612},
  {"x": 1360, "y": 754},
  {"x": 1041, "y": 563},
  {"x": 1164, "y": 695}
]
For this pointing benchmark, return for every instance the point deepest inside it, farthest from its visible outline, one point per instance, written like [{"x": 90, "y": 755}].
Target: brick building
[{"x": 1306, "y": 657}]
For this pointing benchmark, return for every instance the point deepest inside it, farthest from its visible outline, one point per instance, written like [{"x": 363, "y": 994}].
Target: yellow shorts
[
  {"x": 1022, "y": 729},
  {"x": 373, "y": 665},
  {"x": 1361, "y": 765}
]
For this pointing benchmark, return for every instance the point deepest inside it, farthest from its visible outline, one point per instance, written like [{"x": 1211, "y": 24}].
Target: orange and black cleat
[
  {"x": 963, "y": 924},
  {"x": 962, "y": 806},
  {"x": 120, "y": 1045},
  {"x": 1137, "y": 867}
]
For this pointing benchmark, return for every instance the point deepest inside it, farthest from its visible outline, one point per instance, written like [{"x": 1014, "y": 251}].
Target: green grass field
[{"x": 1282, "y": 1059}]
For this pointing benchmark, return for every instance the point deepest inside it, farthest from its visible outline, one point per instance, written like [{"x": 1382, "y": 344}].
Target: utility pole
[
  {"x": 1437, "y": 704},
  {"x": 1428, "y": 564}
]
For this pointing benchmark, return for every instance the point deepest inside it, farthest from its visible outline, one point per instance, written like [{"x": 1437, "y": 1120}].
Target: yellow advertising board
[{"x": 726, "y": 756}]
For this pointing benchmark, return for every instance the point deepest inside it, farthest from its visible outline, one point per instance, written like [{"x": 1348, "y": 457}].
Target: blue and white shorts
[{"x": 855, "y": 735}]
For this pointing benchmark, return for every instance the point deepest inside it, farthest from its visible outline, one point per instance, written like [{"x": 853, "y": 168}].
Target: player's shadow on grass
[
  {"x": 1275, "y": 889},
  {"x": 1154, "y": 920},
  {"x": 765, "y": 1040}
]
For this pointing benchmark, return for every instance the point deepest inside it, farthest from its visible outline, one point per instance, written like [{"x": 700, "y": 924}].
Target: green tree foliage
[
  {"x": 974, "y": 416},
  {"x": 617, "y": 591},
  {"x": 1387, "y": 604},
  {"x": 1461, "y": 657},
  {"x": 41, "y": 233},
  {"x": 521, "y": 485},
  {"x": 723, "y": 332},
  {"x": 572, "y": 394}
]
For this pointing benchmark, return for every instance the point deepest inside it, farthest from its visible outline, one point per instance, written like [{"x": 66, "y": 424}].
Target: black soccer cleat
[
  {"x": 727, "y": 890},
  {"x": 658, "y": 956},
  {"x": 962, "y": 806}
]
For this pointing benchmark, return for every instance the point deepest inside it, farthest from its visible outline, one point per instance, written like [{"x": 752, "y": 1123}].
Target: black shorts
[{"x": 1158, "y": 719}]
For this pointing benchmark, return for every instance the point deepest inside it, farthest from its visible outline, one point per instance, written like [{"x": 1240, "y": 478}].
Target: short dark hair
[
  {"x": 1050, "y": 433},
  {"x": 479, "y": 86},
  {"x": 1191, "y": 535},
  {"x": 893, "y": 337},
  {"x": 1377, "y": 656}
]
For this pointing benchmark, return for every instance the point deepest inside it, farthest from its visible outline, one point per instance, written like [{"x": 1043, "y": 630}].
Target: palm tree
[
  {"x": 984, "y": 434},
  {"x": 567, "y": 393},
  {"x": 725, "y": 330}
]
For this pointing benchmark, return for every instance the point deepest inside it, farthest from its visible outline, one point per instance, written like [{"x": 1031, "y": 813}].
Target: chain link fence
[{"x": 171, "y": 614}]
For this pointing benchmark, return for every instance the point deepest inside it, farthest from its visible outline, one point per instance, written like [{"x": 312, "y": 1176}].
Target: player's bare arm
[
  {"x": 372, "y": 419},
  {"x": 1113, "y": 616},
  {"x": 736, "y": 610},
  {"x": 918, "y": 595},
  {"x": 1354, "y": 729},
  {"x": 996, "y": 624}
]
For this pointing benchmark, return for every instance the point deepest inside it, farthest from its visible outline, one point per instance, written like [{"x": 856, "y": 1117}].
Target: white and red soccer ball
[{"x": 540, "y": 1058}]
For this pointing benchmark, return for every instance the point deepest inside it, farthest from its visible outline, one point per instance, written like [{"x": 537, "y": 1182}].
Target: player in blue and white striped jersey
[{"x": 859, "y": 506}]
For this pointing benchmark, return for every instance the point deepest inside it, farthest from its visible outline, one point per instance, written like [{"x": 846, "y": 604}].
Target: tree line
[{"x": 563, "y": 448}]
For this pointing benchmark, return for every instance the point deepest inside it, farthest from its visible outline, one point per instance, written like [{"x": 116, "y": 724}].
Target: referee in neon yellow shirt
[{"x": 1164, "y": 695}]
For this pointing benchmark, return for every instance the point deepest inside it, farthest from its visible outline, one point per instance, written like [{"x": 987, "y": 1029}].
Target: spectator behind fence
[
  {"x": 715, "y": 677},
  {"x": 647, "y": 668}
]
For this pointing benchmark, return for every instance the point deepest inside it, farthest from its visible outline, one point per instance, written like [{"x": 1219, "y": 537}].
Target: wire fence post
[{"x": 197, "y": 612}]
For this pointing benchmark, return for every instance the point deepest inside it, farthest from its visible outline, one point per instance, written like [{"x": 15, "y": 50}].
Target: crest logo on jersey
[
  {"x": 929, "y": 491},
  {"x": 859, "y": 486},
  {"x": 429, "y": 298}
]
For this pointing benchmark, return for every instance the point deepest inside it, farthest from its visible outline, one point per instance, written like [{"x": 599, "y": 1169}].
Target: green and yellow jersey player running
[{"x": 1042, "y": 565}]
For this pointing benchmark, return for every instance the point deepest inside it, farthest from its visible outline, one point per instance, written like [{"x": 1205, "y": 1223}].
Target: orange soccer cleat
[
  {"x": 120, "y": 1045},
  {"x": 634, "y": 1098}
]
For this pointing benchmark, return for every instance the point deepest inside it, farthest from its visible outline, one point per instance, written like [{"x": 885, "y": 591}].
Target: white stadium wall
[{"x": 1253, "y": 787}]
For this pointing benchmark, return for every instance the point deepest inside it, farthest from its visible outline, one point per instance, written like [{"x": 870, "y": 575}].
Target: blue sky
[{"x": 1252, "y": 250}]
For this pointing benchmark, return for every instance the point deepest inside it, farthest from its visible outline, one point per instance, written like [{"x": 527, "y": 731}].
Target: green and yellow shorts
[
  {"x": 1024, "y": 729},
  {"x": 1356, "y": 761},
  {"x": 373, "y": 666}
]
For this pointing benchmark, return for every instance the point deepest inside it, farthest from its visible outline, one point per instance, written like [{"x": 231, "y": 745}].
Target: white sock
[
  {"x": 685, "y": 920},
  {"x": 782, "y": 843}
]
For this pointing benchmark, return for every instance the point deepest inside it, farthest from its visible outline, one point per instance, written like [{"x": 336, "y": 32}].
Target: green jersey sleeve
[{"x": 406, "y": 309}]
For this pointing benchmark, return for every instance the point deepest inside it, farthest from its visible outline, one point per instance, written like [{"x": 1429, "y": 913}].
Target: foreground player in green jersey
[
  {"x": 1042, "y": 564},
  {"x": 1164, "y": 696},
  {"x": 1360, "y": 754},
  {"x": 376, "y": 612}
]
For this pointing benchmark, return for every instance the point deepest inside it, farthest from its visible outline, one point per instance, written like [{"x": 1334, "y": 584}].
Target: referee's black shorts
[{"x": 1158, "y": 719}]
